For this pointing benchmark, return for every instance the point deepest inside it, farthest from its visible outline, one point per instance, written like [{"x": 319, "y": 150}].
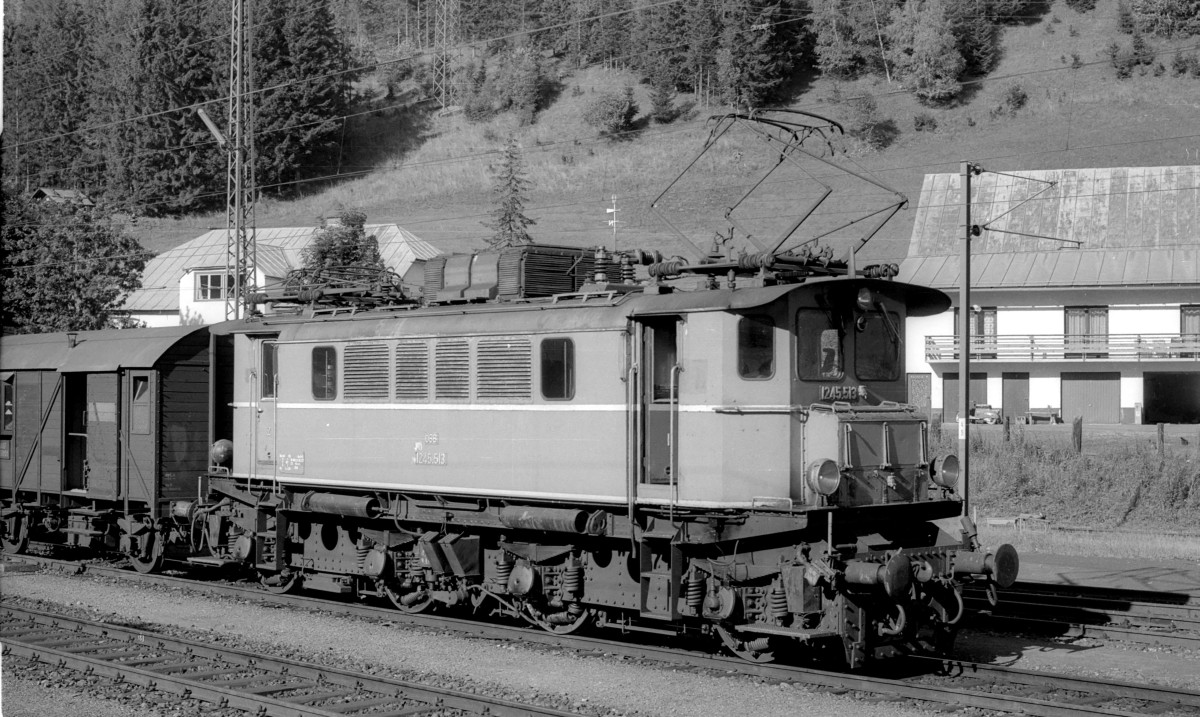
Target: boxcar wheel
[
  {"x": 149, "y": 558},
  {"x": 16, "y": 535},
  {"x": 755, "y": 649}
]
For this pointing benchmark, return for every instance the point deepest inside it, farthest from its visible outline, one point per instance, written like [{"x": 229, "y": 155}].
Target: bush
[
  {"x": 1015, "y": 98},
  {"x": 864, "y": 123},
  {"x": 924, "y": 122},
  {"x": 1179, "y": 64},
  {"x": 610, "y": 112},
  {"x": 1081, "y": 5},
  {"x": 1076, "y": 62},
  {"x": 1122, "y": 59}
]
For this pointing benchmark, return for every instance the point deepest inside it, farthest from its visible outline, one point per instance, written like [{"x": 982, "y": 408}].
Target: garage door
[
  {"x": 950, "y": 393},
  {"x": 1095, "y": 396}
]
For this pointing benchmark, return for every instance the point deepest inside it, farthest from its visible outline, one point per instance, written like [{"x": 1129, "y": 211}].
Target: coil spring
[
  {"x": 777, "y": 603},
  {"x": 695, "y": 591},
  {"x": 572, "y": 581},
  {"x": 504, "y": 568},
  {"x": 360, "y": 554},
  {"x": 231, "y": 544},
  {"x": 760, "y": 644}
]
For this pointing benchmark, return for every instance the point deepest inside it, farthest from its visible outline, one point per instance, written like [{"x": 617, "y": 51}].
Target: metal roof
[
  {"x": 279, "y": 250},
  {"x": 93, "y": 351},
  {"x": 1136, "y": 226},
  {"x": 1045, "y": 269}
]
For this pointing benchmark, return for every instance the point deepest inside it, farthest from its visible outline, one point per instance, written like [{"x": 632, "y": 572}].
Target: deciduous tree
[{"x": 64, "y": 267}]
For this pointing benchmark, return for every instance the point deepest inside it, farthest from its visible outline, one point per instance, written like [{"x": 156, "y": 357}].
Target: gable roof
[
  {"x": 62, "y": 196},
  {"x": 278, "y": 250},
  {"x": 1135, "y": 226}
]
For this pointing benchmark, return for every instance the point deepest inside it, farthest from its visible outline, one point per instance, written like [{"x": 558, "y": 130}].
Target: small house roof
[
  {"x": 278, "y": 252},
  {"x": 62, "y": 196}
]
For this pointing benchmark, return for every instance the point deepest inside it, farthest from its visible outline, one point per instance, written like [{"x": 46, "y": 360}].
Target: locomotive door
[
  {"x": 659, "y": 398},
  {"x": 266, "y": 351}
]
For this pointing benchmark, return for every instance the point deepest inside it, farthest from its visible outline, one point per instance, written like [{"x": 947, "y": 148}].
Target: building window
[
  {"x": 1189, "y": 330},
  {"x": 756, "y": 347},
  {"x": 558, "y": 369},
  {"x": 270, "y": 375},
  {"x": 983, "y": 331},
  {"x": 324, "y": 373},
  {"x": 209, "y": 286},
  {"x": 1086, "y": 332}
]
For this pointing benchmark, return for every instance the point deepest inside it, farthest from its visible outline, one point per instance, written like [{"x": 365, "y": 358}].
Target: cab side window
[
  {"x": 558, "y": 369},
  {"x": 756, "y": 347},
  {"x": 324, "y": 373},
  {"x": 269, "y": 375}
]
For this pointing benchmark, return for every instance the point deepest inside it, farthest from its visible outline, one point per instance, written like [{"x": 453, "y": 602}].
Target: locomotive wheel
[
  {"x": 280, "y": 583},
  {"x": 568, "y": 628},
  {"x": 16, "y": 535},
  {"x": 747, "y": 649},
  {"x": 411, "y": 602}
]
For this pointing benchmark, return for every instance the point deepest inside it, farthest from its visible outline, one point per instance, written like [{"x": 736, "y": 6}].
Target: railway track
[
  {"x": 255, "y": 683},
  {"x": 927, "y": 680},
  {"x": 1074, "y": 611}
]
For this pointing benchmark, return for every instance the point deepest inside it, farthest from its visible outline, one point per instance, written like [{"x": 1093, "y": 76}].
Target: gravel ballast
[{"x": 557, "y": 677}]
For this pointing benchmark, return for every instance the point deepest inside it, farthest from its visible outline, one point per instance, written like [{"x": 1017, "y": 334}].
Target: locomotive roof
[
  {"x": 577, "y": 312},
  {"x": 106, "y": 350}
]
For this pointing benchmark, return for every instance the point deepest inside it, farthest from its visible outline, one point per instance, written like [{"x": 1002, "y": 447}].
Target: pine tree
[
  {"x": 304, "y": 91},
  {"x": 47, "y": 60},
  {"x": 701, "y": 31},
  {"x": 924, "y": 50},
  {"x": 509, "y": 189},
  {"x": 755, "y": 55}
]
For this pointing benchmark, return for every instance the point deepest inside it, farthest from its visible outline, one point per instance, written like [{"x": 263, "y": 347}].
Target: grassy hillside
[{"x": 430, "y": 173}]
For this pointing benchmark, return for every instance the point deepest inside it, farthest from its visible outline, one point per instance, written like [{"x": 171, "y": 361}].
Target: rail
[{"x": 1059, "y": 347}]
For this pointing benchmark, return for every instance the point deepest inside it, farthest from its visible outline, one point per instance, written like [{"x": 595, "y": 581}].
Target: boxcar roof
[{"x": 93, "y": 351}]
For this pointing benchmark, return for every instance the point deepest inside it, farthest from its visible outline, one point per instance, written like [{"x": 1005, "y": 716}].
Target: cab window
[
  {"x": 877, "y": 346},
  {"x": 819, "y": 346},
  {"x": 324, "y": 373},
  {"x": 756, "y": 347}
]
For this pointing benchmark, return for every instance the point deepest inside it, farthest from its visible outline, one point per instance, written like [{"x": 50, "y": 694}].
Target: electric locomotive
[{"x": 692, "y": 453}]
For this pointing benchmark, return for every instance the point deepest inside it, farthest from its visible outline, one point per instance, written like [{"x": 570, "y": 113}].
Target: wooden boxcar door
[
  {"x": 103, "y": 435},
  {"x": 264, "y": 397},
  {"x": 75, "y": 431},
  {"x": 139, "y": 458},
  {"x": 660, "y": 397}
]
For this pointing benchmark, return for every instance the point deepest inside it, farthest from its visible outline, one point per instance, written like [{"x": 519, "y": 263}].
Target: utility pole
[
  {"x": 966, "y": 171},
  {"x": 614, "y": 221},
  {"x": 241, "y": 258}
]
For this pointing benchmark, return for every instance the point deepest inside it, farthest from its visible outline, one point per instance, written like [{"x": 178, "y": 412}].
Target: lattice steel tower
[
  {"x": 445, "y": 39},
  {"x": 240, "y": 249}
]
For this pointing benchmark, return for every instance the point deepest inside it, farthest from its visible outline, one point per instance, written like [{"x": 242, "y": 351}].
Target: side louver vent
[
  {"x": 412, "y": 371},
  {"x": 505, "y": 368},
  {"x": 452, "y": 369},
  {"x": 366, "y": 372}
]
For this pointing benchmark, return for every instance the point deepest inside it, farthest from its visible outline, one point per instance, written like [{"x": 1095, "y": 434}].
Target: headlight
[
  {"x": 824, "y": 477},
  {"x": 944, "y": 471}
]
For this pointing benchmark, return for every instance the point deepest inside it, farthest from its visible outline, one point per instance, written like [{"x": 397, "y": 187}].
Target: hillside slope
[{"x": 431, "y": 173}]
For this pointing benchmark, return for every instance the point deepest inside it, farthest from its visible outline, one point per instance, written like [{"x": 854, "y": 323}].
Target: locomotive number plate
[{"x": 843, "y": 393}]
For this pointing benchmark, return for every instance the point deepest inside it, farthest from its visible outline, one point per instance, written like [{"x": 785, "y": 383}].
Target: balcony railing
[{"x": 1051, "y": 347}]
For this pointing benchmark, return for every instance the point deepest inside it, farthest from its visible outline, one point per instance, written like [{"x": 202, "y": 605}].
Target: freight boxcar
[{"x": 101, "y": 431}]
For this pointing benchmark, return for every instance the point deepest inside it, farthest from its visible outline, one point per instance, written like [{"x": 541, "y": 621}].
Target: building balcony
[{"x": 1050, "y": 347}]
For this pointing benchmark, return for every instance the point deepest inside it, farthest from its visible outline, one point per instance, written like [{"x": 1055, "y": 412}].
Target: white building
[
  {"x": 187, "y": 284},
  {"x": 1107, "y": 329}
]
